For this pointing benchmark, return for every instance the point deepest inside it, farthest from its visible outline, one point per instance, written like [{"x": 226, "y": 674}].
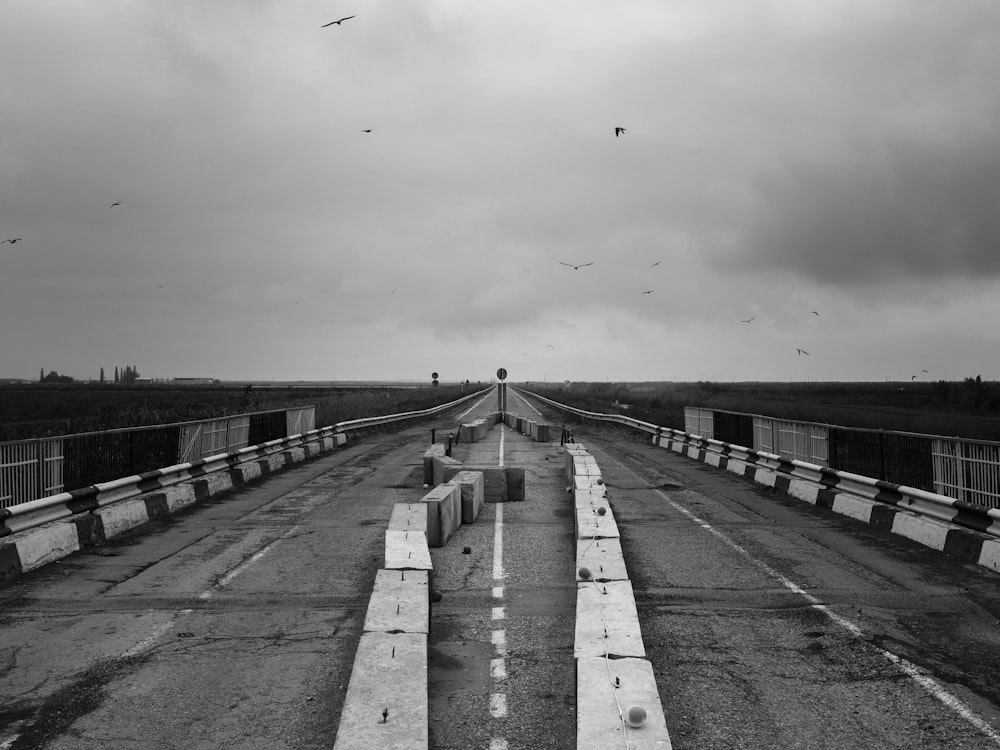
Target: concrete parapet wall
[{"x": 107, "y": 510}]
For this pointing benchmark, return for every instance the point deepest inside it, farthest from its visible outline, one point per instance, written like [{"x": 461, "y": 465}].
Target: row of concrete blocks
[
  {"x": 966, "y": 545},
  {"x": 500, "y": 483},
  {"x": 33, "y": 548},
  {"x": 617, "y": 703},
  {"x": 386, "y": 705},
  {"x": 540, "y": 432},
  {"x": 476, "y": 430}
]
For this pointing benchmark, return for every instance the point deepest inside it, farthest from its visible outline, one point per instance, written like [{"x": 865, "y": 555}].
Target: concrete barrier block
[
  {"x": 179, "y": 496},
  {"x": 603, "y": 558},
  {"x": 122, "y": 516},
  {"x": 607, "y": 621},
  {"x": 855, "y": 507},
  {"x": 591, "y": 525},
  {"x": 389, "y": 675},
  {"x": 436, "y": 449},
  {"x": 400, "y": 602},
  {"x": 408, "y": 517},
  {"x": 803, "y": 490},
  {"x": 587, "y": 483},
  {"x": 515, "y": 482},
  {"x": 494, "y": 481},
  {"x": 989, "y": 555},
  {"x": 438, "y": 465},
  {"x": 925, "y": 531},
  {"x": 37, "y": 547},
  {"x": 444, "y": 513},
  {"x": 590, "y": 499},
  {"x": 543, "y": 434},
  {"x": 407, "y": 550},
  {"x": 598, "y": 721},
  {"x": 472, "y": 489}
]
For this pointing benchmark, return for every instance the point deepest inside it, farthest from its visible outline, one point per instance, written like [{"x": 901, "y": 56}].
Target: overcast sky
[{"x": 779, "y": 157}]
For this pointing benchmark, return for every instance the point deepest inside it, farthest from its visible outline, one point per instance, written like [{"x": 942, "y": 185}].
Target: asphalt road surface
[{"x": 769, "y": 624}]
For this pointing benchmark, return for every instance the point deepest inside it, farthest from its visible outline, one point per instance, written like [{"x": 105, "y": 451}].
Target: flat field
[
  {"x": 41, "y": 410},
  {"x": 968, "y": 409}
]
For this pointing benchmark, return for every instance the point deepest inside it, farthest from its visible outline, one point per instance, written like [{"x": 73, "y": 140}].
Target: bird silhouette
[
  {"x": 648, "y": 291},
  {"x": 576, "y": 268},
  {"x": 655, "y": 264},
  {"x": 923, "y": 371},
  {"x": 747, "y": 320},
  {"x": 345, "y": 18},
  {"x": 367, "y": 130},
  {"x": 815, "y": 313},
  {"x": 619, "y": 131},
  {"x": 116, "y": 203},
  {"x": 802, "y": 351},
  {"x": 12, "y": 240}
]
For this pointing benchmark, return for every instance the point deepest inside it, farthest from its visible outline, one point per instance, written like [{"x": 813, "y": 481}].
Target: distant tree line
[{"x": 126, "y": 375}]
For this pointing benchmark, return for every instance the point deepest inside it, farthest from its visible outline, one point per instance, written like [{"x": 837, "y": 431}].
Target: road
[
  {"x": 773, "y": 624},
  {"x": 769, "y": 623}
]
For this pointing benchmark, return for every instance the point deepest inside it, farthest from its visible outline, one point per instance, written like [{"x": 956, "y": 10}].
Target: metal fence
[
  {"x": 41, "y": 467},
  {"x": 967, "y": 470}
]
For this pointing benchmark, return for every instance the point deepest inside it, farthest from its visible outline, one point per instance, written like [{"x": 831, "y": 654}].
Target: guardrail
[
  {"x": 969, "y": 515},
  {"x": 959, "y": 468},
  {"x": 56, "y": 507},
  {"x": 41, "y": 467}
]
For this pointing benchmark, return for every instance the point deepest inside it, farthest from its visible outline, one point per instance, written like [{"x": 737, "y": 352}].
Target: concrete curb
[
  {"x": 964, "y": 544},
  {"x": 613, "y": 677},
  {"x": 31, "y": 549}
]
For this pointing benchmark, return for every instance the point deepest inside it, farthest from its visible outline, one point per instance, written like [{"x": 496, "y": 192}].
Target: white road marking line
[
  {"x": 498, "y": 744},
  {"x": 525, "y": 402},
  {"x": 498, "y": 705},
  {"x": 148, "y": 641},
  {"x": 474, "y": 405},
  {"x": 499, "y": 640},
  {"x": 498, "y": 592},
  {"x": 924, "y": 680},
  {"x": 498, "y": 544},
  {"x": 501, "y": 445},
  {"x": 243, "y": 567},
  {"x": 498, "y": 668},
  {"x": 498, "y": 613}
]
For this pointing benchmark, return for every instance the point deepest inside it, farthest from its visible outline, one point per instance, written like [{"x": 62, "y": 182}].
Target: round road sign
[{"x": 502, "y": 373}]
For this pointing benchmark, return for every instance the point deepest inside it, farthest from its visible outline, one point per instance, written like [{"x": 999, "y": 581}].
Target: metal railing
[
  {"x": 975, "y": 472},
  {"x": 44, "y": 509},
  {"x": 966, "y": 470},
  {"x": 42, "y": 467}
]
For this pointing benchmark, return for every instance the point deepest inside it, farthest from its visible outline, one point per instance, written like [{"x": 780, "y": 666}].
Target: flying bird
[
  {"x": 815, "y": 313},
  {"x": 802, "y": 351},
  {"x": 576, "y": 268},
  {"x": 648, "y": 291},
  {"x": 345, "y": 18},
  {"x": 619, "y": 131},
  {"x": 116, "y": 203},
  {"x": 655, "y": 264},
  {"x": 747, "y": 320},
  {"x": 12, "y": 240},
  {"x": 367, "y": 130},
  {"x": 923, "y": 371}
]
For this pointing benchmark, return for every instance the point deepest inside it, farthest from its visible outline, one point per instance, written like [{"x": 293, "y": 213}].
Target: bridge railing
[
  {"x": 44, "y": 509},
  {"x": 981, "y": 516},
  {"x": 962, "y": 469},
  {"x": 42, "y": 467}
]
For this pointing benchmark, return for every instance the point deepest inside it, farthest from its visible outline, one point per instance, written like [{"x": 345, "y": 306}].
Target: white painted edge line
[{"x": 921, "y": 678}]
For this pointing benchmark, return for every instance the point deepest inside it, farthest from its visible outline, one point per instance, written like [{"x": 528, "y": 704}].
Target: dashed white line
[
  {"x": 498, "y": 613},
  {"x": 498, "y": 705}
]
